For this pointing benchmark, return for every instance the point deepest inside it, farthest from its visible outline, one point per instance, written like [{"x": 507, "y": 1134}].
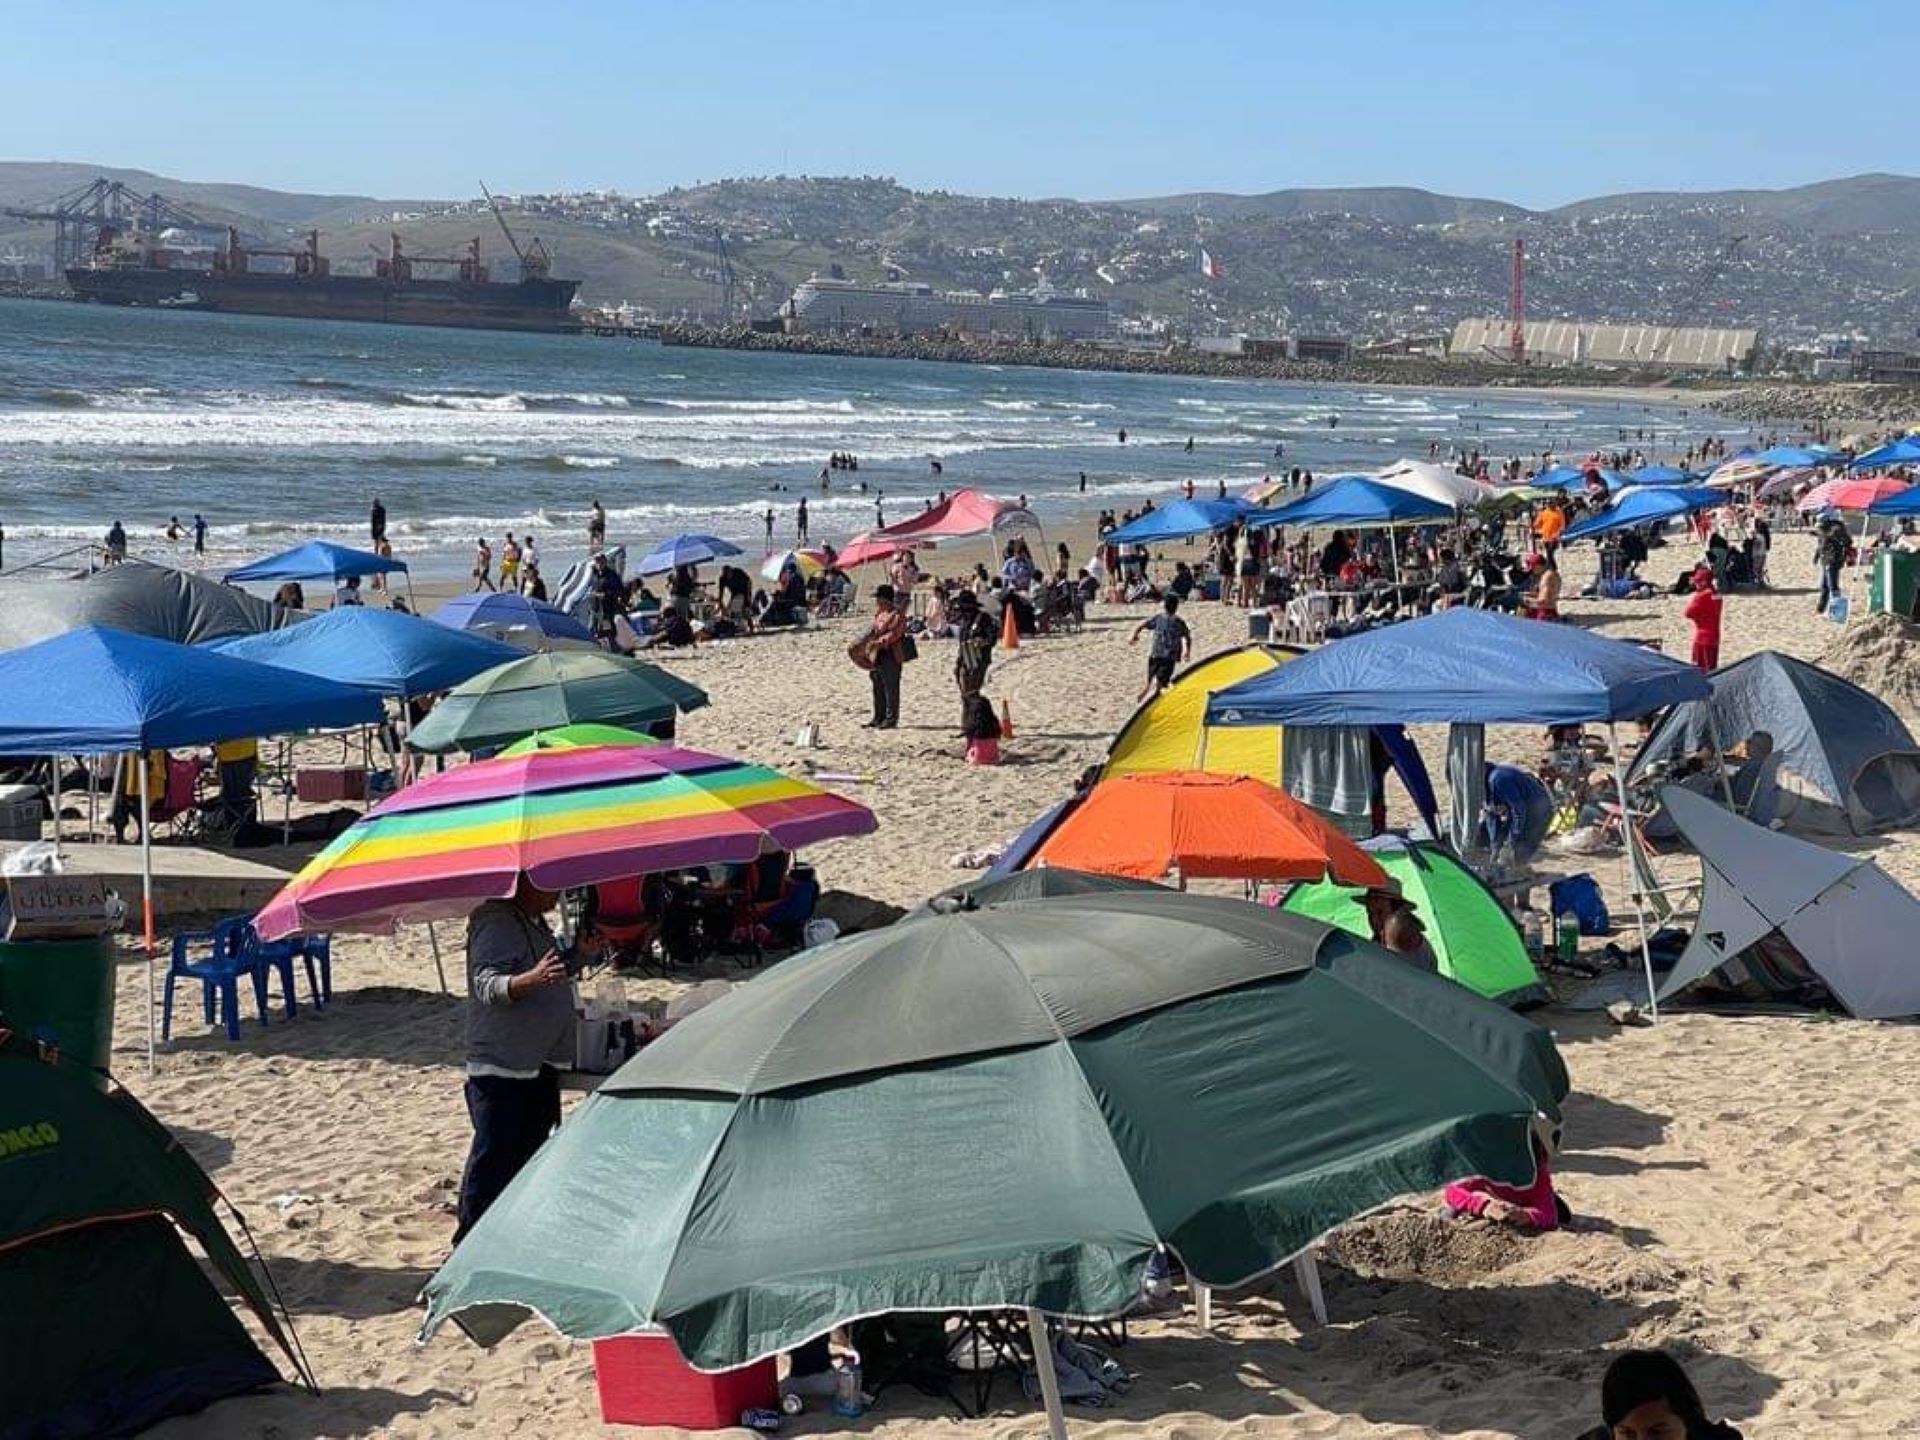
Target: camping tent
[
  {"x": 379, "y": 650},
  {"x": 136, "y": 597},
  {"x": 107, "y": 1323},
  {"x": 1843, "y": 762},
  {"x": 1778, "y": 915},
  {"x": 1903, "y": 451},
  {"x": 316, "y": 560},
  {"x": 1170, "y": 732},
  {"x": 1473, "y": 937},
  {"x": 1439, "y": 483}
]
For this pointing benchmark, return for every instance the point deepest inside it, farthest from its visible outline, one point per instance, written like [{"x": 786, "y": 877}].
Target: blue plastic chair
[
  {"x": 276, "y": 957},
  {"x": 219, "y": 970}
]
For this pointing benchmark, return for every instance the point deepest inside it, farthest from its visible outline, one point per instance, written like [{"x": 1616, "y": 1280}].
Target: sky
[{"x": 1539, "y": 103}]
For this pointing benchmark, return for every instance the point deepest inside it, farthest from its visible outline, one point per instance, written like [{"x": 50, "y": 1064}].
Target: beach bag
[
  {"x": 1837, "y": 609},
  {"x": 1579, "y": 896},
  {"x": 909, "y": 649}
]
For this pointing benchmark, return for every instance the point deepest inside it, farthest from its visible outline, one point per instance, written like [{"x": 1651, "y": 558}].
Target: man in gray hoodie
[{"x": 520, "y": 1027}]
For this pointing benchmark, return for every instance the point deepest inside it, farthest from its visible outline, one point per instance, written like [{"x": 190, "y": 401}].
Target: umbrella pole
[
  {"x": 146, "y": 891},
  {"x": 55, "y": 762},
  {"x": 1049, "y": 1380},
  {"x": 439, "y": 969},
  {"x": 1628, "y": 839}
]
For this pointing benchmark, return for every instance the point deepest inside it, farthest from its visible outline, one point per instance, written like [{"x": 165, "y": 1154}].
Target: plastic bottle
[
  {"x": 847, "y": 1400},
  {"x": 1569, "y": 937},
  {"x": 1534, "y": 934}
]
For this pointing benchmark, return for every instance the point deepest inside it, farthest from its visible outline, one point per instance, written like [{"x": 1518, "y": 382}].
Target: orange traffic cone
[
  {"x": 1006, "y": 720},
  {"x": 1009, "y": 628}
]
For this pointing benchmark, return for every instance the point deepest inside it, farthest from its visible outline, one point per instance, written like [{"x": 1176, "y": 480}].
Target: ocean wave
[
  {"x": 578, "y": 462},
  {"x": 768, "y": 407},
  {"x": 62, "y": 399},
  {"x": 1011, "y": 404}
]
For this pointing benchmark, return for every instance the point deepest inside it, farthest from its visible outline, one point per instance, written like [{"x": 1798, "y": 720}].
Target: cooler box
[
  {"x": 326, "y": 784},
  {"x": 1260, "y": 625},
  {"x": 20, "y": 812},
  {"x": 643, "y": 1381}
]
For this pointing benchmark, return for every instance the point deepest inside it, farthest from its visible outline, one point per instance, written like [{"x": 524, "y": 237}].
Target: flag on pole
[{"x": 1209, "y": 267}]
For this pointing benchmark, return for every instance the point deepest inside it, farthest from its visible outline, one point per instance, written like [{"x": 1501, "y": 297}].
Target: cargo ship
[{"x": 137, "y": 269}]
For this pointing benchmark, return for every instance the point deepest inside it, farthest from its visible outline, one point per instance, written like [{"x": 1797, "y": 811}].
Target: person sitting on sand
[
  {"x": 1543, "y": 602},
  {"x": 1647, "y": 1395},
  {"x": 1535, "y": 1205}
]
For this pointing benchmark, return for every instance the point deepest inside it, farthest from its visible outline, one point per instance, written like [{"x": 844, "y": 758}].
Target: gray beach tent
[
  {"x": 1780, "y": 918},
  {"x": 1842, "y": 763},
  {"x": 140, "y": 598}
]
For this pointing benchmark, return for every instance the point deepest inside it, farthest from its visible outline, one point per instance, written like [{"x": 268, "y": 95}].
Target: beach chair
[
  {"x": 271, "y": 958},
  {"x": 785, "y": 919},
  {"x": 221, "y": 963},
  {"x": 620, "y": 914},
  {"x": 1307, "y": 617}
]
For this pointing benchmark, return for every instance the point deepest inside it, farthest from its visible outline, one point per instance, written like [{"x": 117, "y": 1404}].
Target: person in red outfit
[{"x": 1703, "y": 610}]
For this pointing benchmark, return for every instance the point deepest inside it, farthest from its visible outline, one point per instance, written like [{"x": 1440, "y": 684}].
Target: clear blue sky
[{"x": 1537, "y": 103}]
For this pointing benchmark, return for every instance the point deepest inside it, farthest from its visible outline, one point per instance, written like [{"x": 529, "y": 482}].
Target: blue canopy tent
[
  {"x": 686, "y": 550},
  {"x": 95, "y": 691},
  {"x": 1469, "y": 668},
  {"x": 1659, "y": 475},
  {"x": 1906, "y": 502},
  {"x": 1357, "y": 502},
  {"x": 1178, "y": 519},
  {"x": 1796, "y": 456},
  {"x": 1569, "y": 477},
  {"x": 378, "y": 650},
  {"x": 510, "y": 617},
  {"x": 319, "y": 560},
  {"x": 1646, "y": 506},
  {"x": 1904, "y": 451}
]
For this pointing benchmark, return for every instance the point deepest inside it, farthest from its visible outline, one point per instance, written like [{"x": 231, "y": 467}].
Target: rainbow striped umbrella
[{"x": 563, "y": 818}]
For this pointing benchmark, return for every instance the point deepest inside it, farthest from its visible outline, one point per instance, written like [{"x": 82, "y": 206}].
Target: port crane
[
  {"x": 535, "y": 263},
  {"x": 80, "y": 215}
]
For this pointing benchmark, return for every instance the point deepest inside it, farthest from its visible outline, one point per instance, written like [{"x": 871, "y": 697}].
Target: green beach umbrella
[
  {"x": 578, "y": 737},
  {"x": 1001, "y": 1108},
  {"x": 550, "y": 690},
  {"x": 1472, "y": 935}
]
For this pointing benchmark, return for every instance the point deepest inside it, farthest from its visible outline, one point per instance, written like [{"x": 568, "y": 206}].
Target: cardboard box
[
  {"x": 60, "y": 907},
  {"x": 325, "y": 784}
]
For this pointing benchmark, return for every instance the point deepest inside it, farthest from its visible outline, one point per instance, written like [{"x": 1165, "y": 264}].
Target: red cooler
[{"x": 643, "y": 1381}]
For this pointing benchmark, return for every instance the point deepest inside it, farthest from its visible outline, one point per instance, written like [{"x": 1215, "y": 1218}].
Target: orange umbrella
[{"x": 1222, "y": 827}]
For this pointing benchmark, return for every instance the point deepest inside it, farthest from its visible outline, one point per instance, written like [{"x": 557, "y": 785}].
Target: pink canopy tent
[
  {"x": 866, "y": 548},
  {"x": 963, "y": 514}
]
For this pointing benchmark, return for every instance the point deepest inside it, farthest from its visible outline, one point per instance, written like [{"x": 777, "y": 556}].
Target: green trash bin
[
  {"x": 60, "y": 992},
  {"x": 1892, "y": 582}
]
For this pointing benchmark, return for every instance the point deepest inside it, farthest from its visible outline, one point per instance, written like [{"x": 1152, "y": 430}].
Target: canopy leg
[
  {"x": 439, "y": 969},
  {"x": 56, "y": 804},
  {"x": 1202, "y": 1303},
  {"x": 1049, "y": 1381},
  {"x": 1630, "y": 839},
  {"x": 145, "y": 822},
  {"x": 1306, "y": 1269}
]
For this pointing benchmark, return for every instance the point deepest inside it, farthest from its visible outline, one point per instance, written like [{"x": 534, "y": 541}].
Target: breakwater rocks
[
  {"x": 1069, "y": 356},
  {"x": 1828, "y": 408}
]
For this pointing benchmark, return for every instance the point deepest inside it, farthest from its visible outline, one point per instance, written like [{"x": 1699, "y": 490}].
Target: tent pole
[
  {"x": 55, "y": 762},
  {"x": 1049, "y": 1380},
  {"x": 1720, "y": 753},
  {"x": 1628, "y": 839},
  {"x": 145, "y": 821},
  {"x": 439, "y": 969}
]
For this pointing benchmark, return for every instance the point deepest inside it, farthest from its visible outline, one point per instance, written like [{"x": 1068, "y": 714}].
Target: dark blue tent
[
  {"x": 94, "y": 691},
  {"x": 1463, "y": 666},
  {"x": 503, "y": 613},
  {"x": 1906, "y": 502},
  {"x": 1904, "y": 451},
  {"x": 317, "y": 560},
  {"x": 1659, "y": 475},
  {"x": 1572, "y": 477},
  {"x": 1178, "y": 519},
  {"x": 1796, "y": 457},
  {"x": 1641, "y": 505},
  {"x": 379, "y": 650},
  {"x": 1356, "y": 501}
]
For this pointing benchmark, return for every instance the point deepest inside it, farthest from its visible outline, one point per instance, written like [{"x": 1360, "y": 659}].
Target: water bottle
[
  {"x": 1569, "y": 937},
  {"x": 846, "y": 1390},
  {"x": 1534, "y": 934}
]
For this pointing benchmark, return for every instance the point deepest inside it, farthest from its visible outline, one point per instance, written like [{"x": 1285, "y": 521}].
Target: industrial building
[{"x": 1667, "y": 348}]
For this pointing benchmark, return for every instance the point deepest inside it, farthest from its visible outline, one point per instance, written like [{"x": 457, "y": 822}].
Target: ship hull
[{"x": 534, "y": 304}]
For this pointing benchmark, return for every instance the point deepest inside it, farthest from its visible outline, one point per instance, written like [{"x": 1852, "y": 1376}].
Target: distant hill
[
  {"x": 1362, "y": 262},
  {"x": 1392, "y": 204}
]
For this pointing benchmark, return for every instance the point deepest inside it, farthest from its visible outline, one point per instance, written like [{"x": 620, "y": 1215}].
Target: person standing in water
[
  {"x": 596, "y": 529},
  {"x": 800, "y": 520},
  {"x": 376, "y": 522}
]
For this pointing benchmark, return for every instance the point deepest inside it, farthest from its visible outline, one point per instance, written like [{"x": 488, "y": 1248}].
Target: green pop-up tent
[
  {"x": 107, "y": 1323},
  {"x": 1473, "y": 937}
]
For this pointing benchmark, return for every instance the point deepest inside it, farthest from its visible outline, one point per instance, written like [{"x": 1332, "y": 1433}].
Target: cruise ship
[{"x": 906, "y": 307}]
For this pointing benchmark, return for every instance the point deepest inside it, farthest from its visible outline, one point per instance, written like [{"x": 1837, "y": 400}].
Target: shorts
[
  {"x": 1160, "y": 669},
  {"x": 1249, "y": 569}
]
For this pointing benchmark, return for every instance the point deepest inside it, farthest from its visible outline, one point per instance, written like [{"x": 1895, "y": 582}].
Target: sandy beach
[{"x": 1743, "y": 1186}]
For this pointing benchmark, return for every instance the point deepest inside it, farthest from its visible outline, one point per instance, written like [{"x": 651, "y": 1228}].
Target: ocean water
[{"x": 279, "y": 431}]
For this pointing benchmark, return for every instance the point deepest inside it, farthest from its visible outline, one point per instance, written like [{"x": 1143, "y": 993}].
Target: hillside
[{"x": 1841, "y": 254}]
